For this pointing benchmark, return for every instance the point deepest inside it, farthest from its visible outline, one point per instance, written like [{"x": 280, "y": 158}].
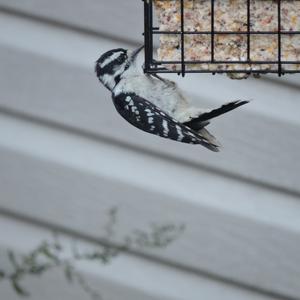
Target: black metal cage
[{"x": 152, "y": 65}]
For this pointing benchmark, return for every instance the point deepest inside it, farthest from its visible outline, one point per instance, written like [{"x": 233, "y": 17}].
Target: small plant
[{"x": 52, "y": 253}]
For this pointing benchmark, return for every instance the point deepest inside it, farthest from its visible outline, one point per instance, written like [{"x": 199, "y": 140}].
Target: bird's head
[{"x": 112, "y": 64}]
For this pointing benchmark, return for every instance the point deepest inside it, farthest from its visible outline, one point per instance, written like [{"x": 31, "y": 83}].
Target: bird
[{"x": 154, "y": 104}]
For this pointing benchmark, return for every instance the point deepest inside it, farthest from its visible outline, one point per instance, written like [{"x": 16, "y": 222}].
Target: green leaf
[
  {"x": 38, "y": 269},
  {"x": 12, "y": 258},
  {"x": 2, "y": 275},
  {"x": 46, "y": 252},
  {"x": 18, "y": 288},
  {"x": 69, "y": 272}
]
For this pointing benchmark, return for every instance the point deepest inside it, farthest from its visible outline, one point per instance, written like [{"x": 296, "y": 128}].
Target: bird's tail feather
[
  {"x": 210, "y": 141},
  {"x": 199, "y": 123},
  {"x": 210, "y": 146},
  {"x": 219, "y": 111},
  {"x": 209, "y": 137}
]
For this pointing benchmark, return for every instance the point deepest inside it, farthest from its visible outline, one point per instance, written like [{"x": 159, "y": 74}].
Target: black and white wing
[{"x": 148, "y": 117}]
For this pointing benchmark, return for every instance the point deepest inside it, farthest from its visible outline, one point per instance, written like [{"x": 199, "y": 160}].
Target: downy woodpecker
[{"x": 154, "y": 104}]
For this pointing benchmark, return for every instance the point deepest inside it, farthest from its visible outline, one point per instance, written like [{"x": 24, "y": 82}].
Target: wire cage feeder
[{"x": 278, "y": 64}]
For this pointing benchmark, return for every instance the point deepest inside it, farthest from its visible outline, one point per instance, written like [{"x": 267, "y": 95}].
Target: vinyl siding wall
[{"x": 66, "y": 157}]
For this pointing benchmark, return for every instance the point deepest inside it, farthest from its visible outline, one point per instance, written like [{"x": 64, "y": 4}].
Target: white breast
[{"x": 164, "y": 95}]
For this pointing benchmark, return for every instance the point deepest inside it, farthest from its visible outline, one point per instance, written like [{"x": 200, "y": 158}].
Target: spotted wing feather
[{"x": 148, "y": 117}]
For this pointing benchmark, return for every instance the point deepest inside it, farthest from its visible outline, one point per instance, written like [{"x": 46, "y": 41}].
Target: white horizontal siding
[
  {"x": 258, "y": 143},
  {"x": 128, "y": 277},
  {"x": 73, "y": 181},
  {"x": 122, "y": 20}
]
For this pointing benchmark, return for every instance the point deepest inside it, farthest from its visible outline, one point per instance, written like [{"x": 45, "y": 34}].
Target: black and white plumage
[{"x": 153, "y": 104}]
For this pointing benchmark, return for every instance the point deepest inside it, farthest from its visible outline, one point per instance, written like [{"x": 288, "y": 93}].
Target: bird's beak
[{"x": 135, "y": 53}]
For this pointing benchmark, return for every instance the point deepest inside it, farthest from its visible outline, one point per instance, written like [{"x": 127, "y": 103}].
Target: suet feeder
[{"x": 236, "y": 37}]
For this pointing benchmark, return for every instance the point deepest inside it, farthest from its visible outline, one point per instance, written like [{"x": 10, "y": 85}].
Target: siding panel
[
  {"x": 256, "y": 147},
  {"x": 128, "y": 277},
  {"x": 101, "y": 17},
  {"x": 73, "y": 181}
]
